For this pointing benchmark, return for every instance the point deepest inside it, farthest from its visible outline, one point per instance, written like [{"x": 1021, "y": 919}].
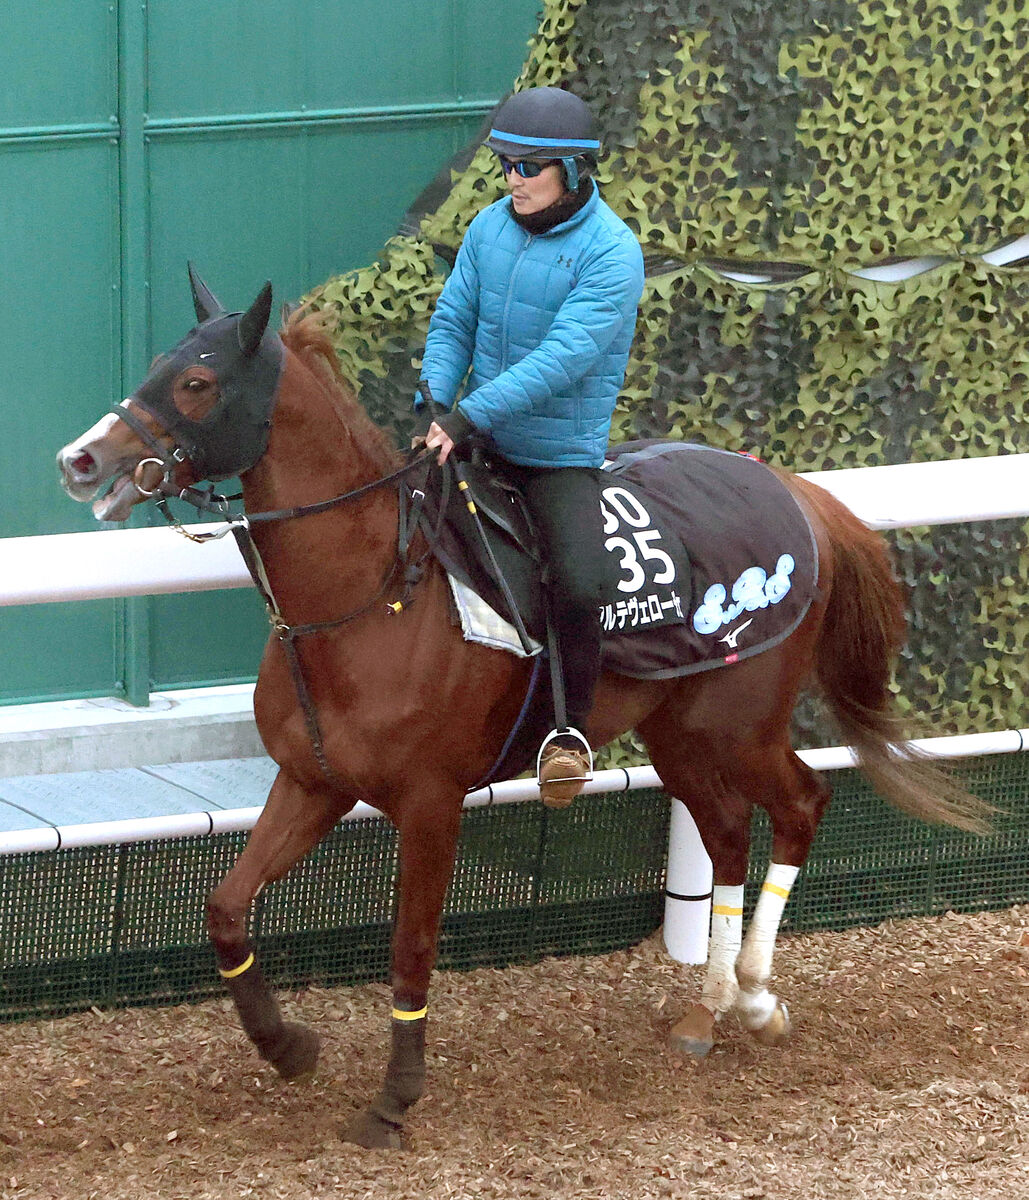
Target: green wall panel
[
  {"x": 287, "y": 206},
  {"x": 244, "y": 62},
  {"x": 58, "y": 356},
  {"x": 264, "y": 56},
  {"x": 58, "y": 63},
  {"x": 260, "y": 140},
  {"x": 59, "y": 651},
  {"x": 206, "y": 637}
]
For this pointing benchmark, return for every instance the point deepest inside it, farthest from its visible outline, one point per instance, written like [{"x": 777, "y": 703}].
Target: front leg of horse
[
  {"x": 428, "y": 841},
  {"x": 293, "y": 820},
  {"x": 380, "y": 1125},
  {"x": 291, "y": 1048}
]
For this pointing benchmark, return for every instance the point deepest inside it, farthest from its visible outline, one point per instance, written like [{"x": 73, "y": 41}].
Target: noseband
[{"x": 163, "y": 456}]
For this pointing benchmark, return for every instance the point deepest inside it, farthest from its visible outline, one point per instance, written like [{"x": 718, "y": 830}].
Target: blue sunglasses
[{"x": 528, "y": 168}]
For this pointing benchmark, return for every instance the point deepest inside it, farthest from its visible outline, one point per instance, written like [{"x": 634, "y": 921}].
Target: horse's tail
[{"x": 863, "y": 631}]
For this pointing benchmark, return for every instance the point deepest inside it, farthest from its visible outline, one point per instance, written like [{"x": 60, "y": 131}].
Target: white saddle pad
[{"x": 480, "y": 623}]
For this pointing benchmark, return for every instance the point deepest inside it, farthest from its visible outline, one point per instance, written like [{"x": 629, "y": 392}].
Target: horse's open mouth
[{"x": 117, "y": 501}]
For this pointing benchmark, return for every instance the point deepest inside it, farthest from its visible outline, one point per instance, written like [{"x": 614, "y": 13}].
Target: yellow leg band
[
  {"x": 399, "y": 1014},
  {"x": 724, "y": 910},
  {"x": 776, "y": 890},
  {"x": 247, "y": 963}
]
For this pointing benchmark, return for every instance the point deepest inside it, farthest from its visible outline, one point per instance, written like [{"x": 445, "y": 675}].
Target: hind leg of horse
[
  {"x": 292, "y": 822},
  {"x": 723, "y": 821},
  {"x": 795, "y": 797},
  {"x": 693, "y": 770},
  {"x": 428, "y": 843}
]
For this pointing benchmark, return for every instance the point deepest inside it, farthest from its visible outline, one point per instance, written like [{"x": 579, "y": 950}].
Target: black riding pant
[{"x": 564, "y": 503}]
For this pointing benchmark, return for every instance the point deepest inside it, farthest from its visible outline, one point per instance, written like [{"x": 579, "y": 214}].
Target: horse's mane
[{"x": 306, "y": 334}]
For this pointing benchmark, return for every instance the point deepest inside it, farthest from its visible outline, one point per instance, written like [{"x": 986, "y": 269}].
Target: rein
[
  {"x": 217, "y": 448},
  {"x": 207, "y": 500}
]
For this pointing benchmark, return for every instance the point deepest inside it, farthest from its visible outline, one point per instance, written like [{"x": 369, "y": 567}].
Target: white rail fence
[
  {"x": 145, "y": 562},
  {"x": 134, "y": 562}
]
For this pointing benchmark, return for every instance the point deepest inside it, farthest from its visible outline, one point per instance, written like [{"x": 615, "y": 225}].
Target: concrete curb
[{"x": 191, "y": 725}]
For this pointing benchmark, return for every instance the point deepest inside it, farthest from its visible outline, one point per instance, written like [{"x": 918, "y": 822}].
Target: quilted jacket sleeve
[
  {"x": 597, "y": 309},
  {"x": 451, "y": 337}
]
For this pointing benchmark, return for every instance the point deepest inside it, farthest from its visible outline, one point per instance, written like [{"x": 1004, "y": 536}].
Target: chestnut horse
[{"x": 395, "y": 708}]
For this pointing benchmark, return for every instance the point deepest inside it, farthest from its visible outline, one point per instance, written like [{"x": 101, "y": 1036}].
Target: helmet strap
[{"x": 571, "y": 174}]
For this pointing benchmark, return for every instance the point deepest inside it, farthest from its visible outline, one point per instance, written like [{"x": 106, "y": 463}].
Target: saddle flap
[
  {"x": 498, "y": 500},
  {"x": 497, "y": 536}
]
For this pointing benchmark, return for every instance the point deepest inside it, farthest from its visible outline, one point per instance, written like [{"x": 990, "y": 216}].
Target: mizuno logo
[{"x": 732, "y": 635}]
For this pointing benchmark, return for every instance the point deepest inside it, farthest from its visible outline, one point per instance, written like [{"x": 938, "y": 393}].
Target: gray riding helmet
[{"x": 545, "y": 122}]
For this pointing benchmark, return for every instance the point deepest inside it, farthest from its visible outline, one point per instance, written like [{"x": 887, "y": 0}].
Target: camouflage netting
[{"x": 796, "y": 142}]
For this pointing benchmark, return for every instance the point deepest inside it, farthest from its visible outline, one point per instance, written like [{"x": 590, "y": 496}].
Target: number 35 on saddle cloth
[{"x": 711, "y": 560}]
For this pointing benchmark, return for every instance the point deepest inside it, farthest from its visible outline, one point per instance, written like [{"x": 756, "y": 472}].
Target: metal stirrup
[{"x": 568, "y": 731}]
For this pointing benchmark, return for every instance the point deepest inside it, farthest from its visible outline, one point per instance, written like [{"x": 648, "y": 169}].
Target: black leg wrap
[
  {"x": 405, "y": 1074},
  {"x": 380, "y": 1125},
  {"x": 291, "y": 1049}
]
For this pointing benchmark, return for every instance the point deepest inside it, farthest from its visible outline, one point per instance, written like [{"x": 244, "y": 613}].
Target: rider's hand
[
  {"x": 438, "y": 438},
  {"x": 450, "y": 430}
]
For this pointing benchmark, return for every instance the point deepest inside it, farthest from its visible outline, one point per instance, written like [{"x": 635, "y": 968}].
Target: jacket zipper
[{"x": 510, "y": 293}]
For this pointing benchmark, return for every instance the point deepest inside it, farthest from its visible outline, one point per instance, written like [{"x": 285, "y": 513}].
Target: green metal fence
[
  {"x": 265, "y": 141},
  {"x": 124, "y": 925}
]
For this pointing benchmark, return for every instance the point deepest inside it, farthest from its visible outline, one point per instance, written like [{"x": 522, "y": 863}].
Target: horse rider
[{"x": 541, "y": 306}]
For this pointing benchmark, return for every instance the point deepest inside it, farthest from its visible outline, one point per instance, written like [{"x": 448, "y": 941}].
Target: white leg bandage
[
  {"x": 720, "y": 985},
  {"x": 754, "y": 967}
]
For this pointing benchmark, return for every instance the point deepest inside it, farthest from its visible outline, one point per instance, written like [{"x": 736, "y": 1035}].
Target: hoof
[
  {"x": 370, "y": 1130},
  {"x": 297, "y": 1057},
  {"x": 777, "y": 1029},
  {"x": 694, "y": 1035}
]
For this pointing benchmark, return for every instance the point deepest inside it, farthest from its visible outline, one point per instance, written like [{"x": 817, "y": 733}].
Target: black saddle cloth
[{"x": 711, "y": 560}]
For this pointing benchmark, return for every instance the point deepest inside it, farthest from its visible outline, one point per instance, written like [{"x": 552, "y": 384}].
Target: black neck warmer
[{"x": 561, "y": 210}]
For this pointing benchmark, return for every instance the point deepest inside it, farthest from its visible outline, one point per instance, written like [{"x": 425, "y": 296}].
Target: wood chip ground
[{"x": 907, "y": 1075}]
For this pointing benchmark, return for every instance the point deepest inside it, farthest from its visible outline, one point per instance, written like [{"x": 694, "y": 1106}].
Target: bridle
[
  {"x": 164, "y": 457},
  {"x": 403, "y": 566},
  {"x": 230, "y": 438}
]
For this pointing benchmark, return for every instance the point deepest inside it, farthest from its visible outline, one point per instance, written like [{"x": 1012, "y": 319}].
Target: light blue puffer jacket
[{"x": 545, "y": 322}]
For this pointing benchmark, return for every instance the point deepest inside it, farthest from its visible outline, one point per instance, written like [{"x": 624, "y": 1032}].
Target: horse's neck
[{"x": 320, "y": 565}]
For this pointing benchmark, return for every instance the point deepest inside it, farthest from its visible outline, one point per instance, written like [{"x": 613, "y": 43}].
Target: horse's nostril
[{"x": 82, "y": 464}]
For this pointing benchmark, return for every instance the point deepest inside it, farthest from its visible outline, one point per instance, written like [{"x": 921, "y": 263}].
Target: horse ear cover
[
  {"x": 254, "y": 321},
  {"x": 205, "y": 302}
]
